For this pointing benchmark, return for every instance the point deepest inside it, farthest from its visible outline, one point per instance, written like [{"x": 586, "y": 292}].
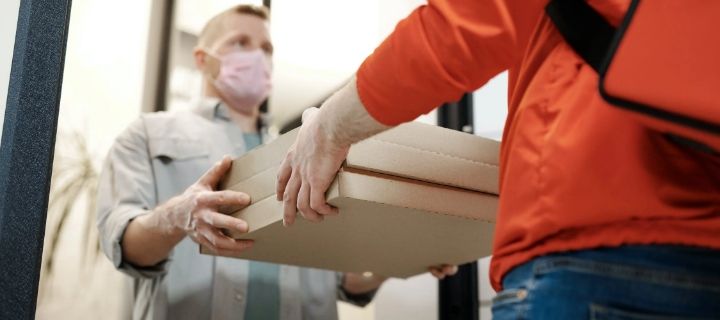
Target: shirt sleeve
[
  {"x": 126, "y": 190},
  {"x": 441, "y": 51},
  {"x": 359, "y": 300}
]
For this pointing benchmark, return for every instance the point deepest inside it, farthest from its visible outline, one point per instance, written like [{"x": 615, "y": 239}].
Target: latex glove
[
  {"x": 196, "y": 212},
  {"x": 308, "y": 170},
  {"x": 440, "y": 272}
]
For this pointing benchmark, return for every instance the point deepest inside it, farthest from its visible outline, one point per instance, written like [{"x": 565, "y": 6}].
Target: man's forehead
[
  {"x": 243, "y": 23},
  {"x": 234, "y": 24}
]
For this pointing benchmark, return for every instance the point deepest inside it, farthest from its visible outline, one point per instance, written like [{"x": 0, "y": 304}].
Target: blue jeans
[{"x": 629, "y": 282}]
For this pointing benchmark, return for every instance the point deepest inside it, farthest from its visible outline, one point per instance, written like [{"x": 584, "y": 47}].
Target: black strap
[{"x": 583, "y": 28}]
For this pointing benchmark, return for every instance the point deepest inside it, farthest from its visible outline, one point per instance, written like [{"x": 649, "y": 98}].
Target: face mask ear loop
[
  {"x": 211, "y": 55},
  {"x": 206, "y": 73},
  {"x": 207, "y": 51}
]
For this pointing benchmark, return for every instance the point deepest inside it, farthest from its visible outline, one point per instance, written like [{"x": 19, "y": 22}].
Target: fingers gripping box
[{"x": 411, "y": 197}]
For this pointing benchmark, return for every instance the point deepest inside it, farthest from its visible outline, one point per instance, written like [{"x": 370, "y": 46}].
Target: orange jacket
[{"x": 575, "y": 172}]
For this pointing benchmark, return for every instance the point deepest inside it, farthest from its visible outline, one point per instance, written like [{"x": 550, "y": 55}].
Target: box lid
[
  {"x": 433, "y": 154},
  {"x": 412, "y": 150}
]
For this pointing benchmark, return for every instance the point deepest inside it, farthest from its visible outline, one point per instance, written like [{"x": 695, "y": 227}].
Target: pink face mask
[{"x": 244, "y": 79}]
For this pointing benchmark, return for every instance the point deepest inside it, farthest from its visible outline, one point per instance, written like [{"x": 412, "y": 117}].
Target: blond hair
[{"x": 216, "y": 26}]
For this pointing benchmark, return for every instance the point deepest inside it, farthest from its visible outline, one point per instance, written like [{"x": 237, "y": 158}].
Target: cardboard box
[{"x": 409, "y": 198}]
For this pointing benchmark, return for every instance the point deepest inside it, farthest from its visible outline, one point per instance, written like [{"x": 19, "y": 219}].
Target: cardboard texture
[{"x": 409, "y": 198}]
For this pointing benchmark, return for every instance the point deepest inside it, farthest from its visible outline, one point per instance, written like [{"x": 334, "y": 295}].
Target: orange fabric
[
  {"x": 657, "y": 63},
  {"x": 575, "y": 172}
]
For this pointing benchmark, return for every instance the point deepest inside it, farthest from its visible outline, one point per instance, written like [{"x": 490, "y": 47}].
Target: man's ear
[
  {"x": 207, "y": 65},
  {"x": 200, "y": 57}
]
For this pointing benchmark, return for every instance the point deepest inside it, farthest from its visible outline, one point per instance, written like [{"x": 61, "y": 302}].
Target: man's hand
[
  {"x": 308, "y": 170},
  {"x": 321, "y": 146},
  {"x": 361, "y": 283},
  {"x": 196, "y": 213},
  {"x": 440, "y": 272},
  {"x": 356, "y": 283}
]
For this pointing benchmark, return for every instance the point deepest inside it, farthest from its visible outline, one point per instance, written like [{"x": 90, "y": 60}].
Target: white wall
[
  {"x": 490, "y": 107},
  {"x": 104, "y": 69},
  {"x": 192, "y": 15},
  {"x": 318, "y": 46},
  {"x": 8, "y": 23}
]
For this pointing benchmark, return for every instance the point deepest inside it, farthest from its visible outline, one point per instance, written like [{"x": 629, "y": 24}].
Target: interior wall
[
  {"x": 104, "y": 69},
  {"x": 318, "y": 46},
  {"x": 8, "y": 23},
  {"x": 490, "y": 107}
]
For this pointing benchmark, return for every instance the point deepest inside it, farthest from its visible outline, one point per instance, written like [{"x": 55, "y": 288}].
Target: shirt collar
[
  {"x": 221, "y": 111},
  {"x": 213, "y": 108}
]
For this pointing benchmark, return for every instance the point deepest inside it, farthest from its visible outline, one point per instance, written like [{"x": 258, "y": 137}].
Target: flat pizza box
[{"x": 409, "y": 198}]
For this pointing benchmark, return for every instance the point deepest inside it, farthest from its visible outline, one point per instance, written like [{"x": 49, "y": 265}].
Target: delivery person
[
  {"x": 155, "y": 205},
  {"x": 599, "y": 218}
]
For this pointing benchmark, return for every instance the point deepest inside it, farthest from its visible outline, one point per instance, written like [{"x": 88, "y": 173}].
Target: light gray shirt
[{"x": 157, "y": 157}]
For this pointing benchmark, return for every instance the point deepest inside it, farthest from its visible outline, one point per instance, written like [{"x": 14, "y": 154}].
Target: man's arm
[
  {"x": 440, "y": 51},
  {"x": 149, "y": 238},
  {"x": 137, "y": 237}
]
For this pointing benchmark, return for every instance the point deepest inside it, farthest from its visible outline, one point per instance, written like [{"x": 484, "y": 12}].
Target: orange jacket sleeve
[{"x": 440, "y": 51}]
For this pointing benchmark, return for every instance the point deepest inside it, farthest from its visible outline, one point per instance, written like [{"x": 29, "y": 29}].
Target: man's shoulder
[
  {"x": 174, "y": 124},
  {"x": 172, "y": 118}
]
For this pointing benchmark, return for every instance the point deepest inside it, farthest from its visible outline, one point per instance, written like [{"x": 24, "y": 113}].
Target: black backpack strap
[{"x": 583, "y": 28}]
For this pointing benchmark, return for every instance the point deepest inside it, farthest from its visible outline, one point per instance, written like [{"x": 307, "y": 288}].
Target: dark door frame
[
  {"x": 26, "y": 153},
  {"x": 459, "y": 295},
  {"x": 158, "y": 47}
]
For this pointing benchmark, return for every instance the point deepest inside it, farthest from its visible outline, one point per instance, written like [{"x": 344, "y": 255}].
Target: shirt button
[{"x": 238, "y": 296}]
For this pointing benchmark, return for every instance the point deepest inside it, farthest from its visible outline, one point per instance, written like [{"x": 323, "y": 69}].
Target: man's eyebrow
[{"x": 237, "y": 35}]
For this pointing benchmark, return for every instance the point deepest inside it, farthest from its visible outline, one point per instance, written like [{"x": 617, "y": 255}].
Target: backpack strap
[{"x": 583, "y": 28}]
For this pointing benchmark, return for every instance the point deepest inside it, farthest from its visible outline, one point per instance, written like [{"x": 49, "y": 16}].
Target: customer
[
  {"x": 155, "y": 205},
  {"x": 599, "y": 216}
]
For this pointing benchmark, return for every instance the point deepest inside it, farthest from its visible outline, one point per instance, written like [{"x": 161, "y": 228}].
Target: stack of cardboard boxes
[{"x": 409, "y": 198}]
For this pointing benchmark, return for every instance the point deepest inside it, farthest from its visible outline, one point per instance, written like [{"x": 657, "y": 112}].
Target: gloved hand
[{"x": 197, "y": 212}]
